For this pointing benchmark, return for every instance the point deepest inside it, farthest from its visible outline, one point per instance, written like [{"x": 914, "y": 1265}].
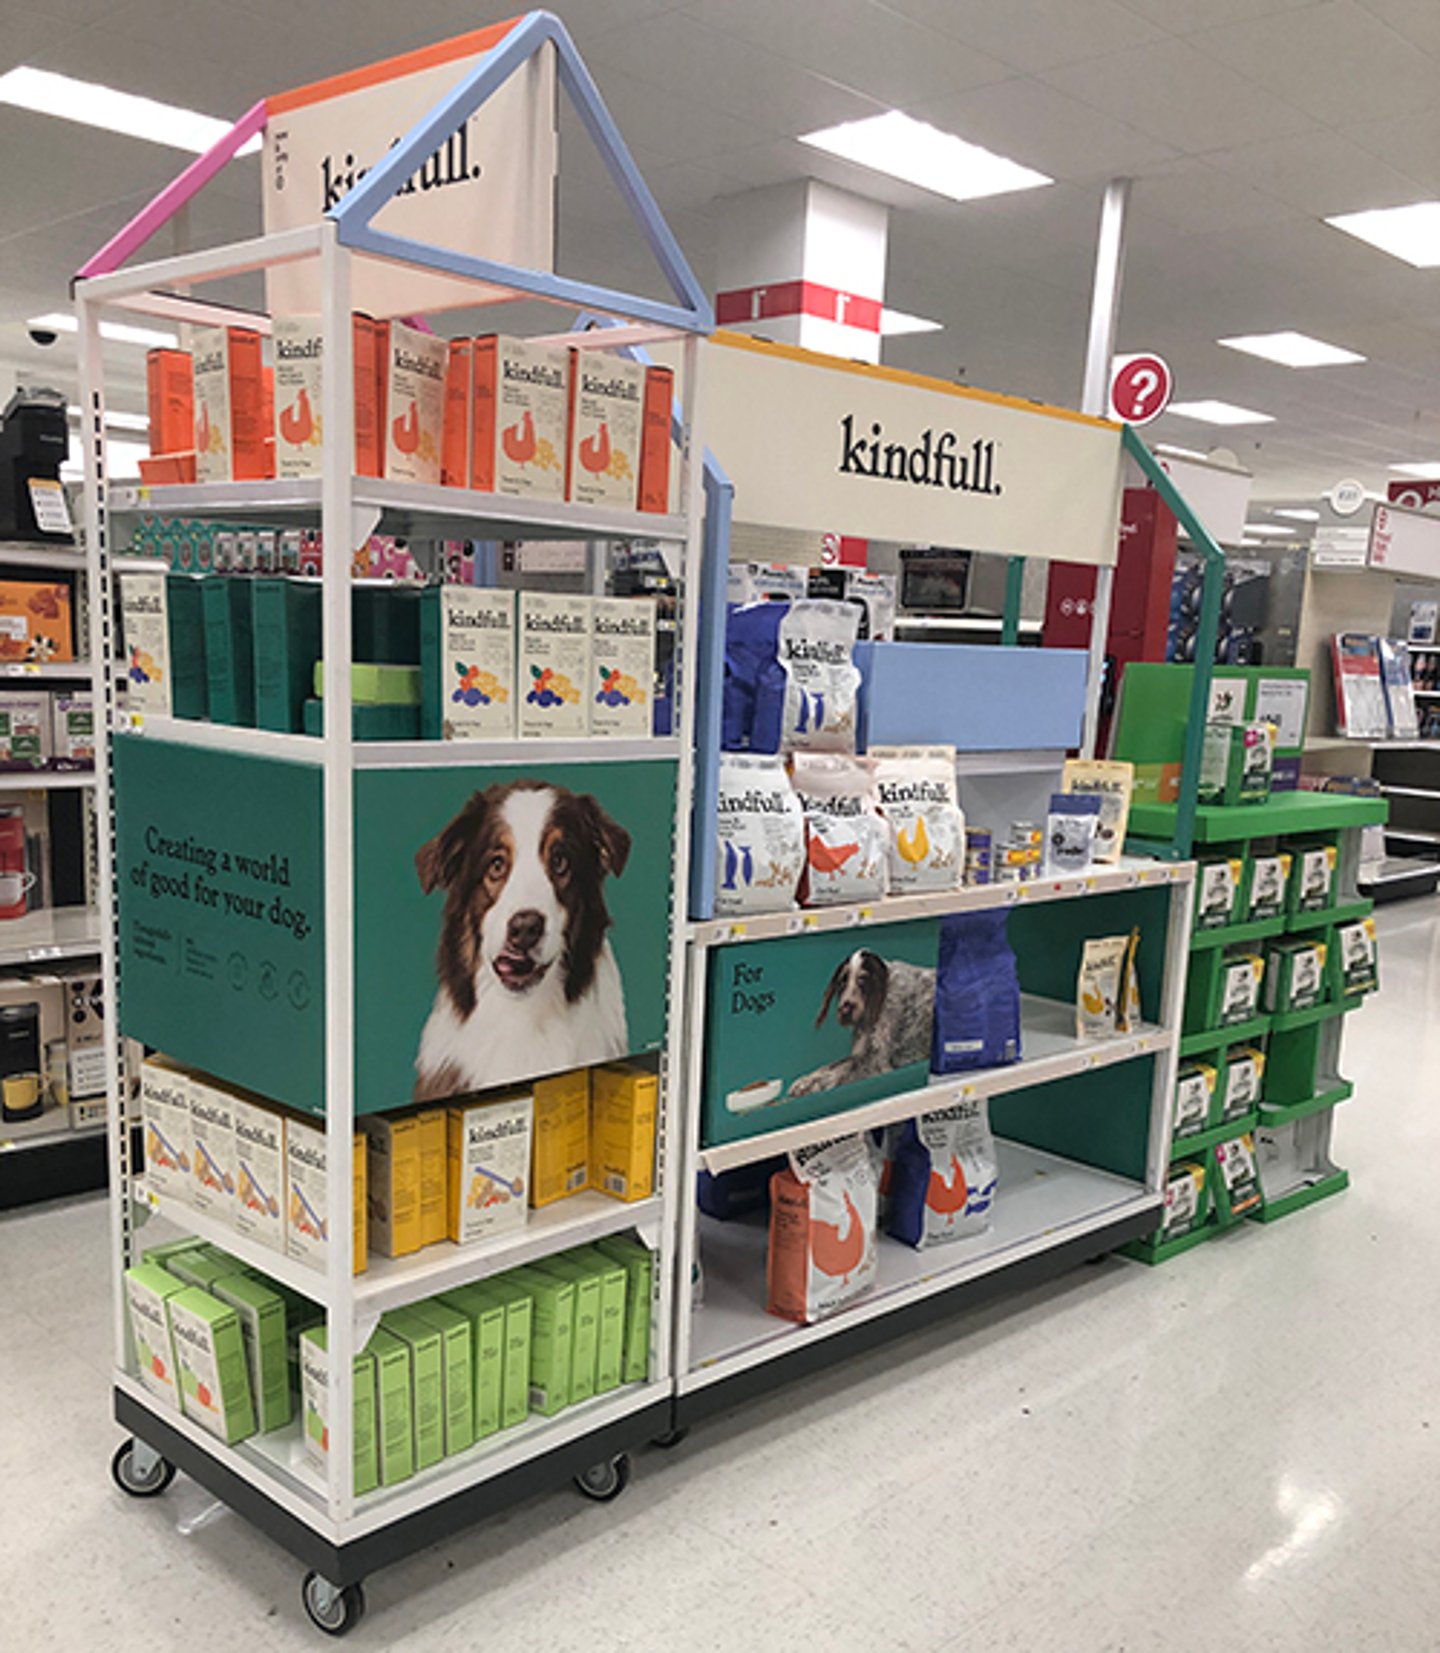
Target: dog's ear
[
  {"x": 875, "y": 981},
  {"x": 438, "y": 862},
  {"x": 832, "y": 987},
  {"x": 611, "y": 839}
]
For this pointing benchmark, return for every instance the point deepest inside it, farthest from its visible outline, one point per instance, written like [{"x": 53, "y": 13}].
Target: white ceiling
[{"x": 1243, "y": 122}]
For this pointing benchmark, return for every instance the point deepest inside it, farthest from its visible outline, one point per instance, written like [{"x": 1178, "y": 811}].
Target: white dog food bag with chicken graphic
[
  {"x": 847, "y": 841},
  {"x": 943, "y": 1176},
  {"x": 816, "y": 646},
  {"x": 917, "y": 793},
  {"x": 822, "y": 1230},
  {"x": 761, "y": 836}
]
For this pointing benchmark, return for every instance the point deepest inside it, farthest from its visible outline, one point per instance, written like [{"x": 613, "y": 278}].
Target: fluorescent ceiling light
[
  {"x": 118, "y": 332},
  {"x": 118, "y": 420},
  {"x": 1411, "y": 233},
  {"x": 1427, "y": 472},
  {"x": 1298, "y": 514},
  {"x": 1180, "y": 453},
  {"x": 1220, "y": 413},
  {"x": 895, "y": 322},
  {"x": 133, "y": 117},
  {"x": 1269, "y": 528},
  {"x": 1291, "y": 349},
  {"x": 920, "y": 154}
]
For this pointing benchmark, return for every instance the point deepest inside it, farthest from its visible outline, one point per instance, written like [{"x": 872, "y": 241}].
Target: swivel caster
[
  {"x": 139, "y": 1471},
  {"x": 335, "y": 1611},
  {"x": 605, "y": 1481}
]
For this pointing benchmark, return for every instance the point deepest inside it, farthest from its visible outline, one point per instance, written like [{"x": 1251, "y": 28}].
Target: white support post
[{"x": 1172, "y": 1010}]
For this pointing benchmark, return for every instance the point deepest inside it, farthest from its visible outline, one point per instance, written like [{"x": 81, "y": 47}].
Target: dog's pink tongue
[{"x": 514, "y": 967}]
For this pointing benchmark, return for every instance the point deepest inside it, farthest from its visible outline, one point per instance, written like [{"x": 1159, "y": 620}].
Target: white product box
[
  {"x": 299, "y": 350},
  {"x": 84, "y": 1034},
  {"x": 72, "y": 731},
  {"x": 145, "y": 622},
  {"x": 165, "y": 1114},
  {"x": 259, "y": 1171},
  {"x": 476, "y": 662},
  {"x": 307, "y": 1194},
  {"x": 553, "y": 665},
  {"x": 607, "y": 397},
  {"x": 521, "y": 417},
  {"x": 212, "y": 404},
  {"x": 622, "y": 665},
  {"x": 488, "y": 1148},
  {"x": 415, "y": 405},
  {"x": 212, "y": 1127}
]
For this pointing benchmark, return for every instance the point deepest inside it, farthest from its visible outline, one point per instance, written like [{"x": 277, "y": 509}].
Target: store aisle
[{"x": 1239, "y": 1448}]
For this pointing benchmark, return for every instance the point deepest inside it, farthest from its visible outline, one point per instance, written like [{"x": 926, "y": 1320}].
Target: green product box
[
  {"x": 287, "y": 645},
  {"x": 227, "y": 603},
  {"x": 210, "y": 1360},
  {"x": 395, "y": 1413},
  {"x": 1312, "y": 877},
  {"x": 1217, "y": 890},
  {"x": 484, "y": 1313},
  {"x": 585, "y": 1326},
  {"x": 189, "y": 689},
  {"x": 386, "y": 625},
  {"x": 201, "y": 1266},
  {"x": 169, "y": 1249},
  {"x": 519, "y": 1309},
  {"x": 1194, "y": 1098},
  {"x": 457, "y": 1366},
  {"x": 427, "y": 1382},
  {"x": 639, "y": 1263},
  {"x": 262, "y": 1327},
  {"x": 315, "y": 1409},
  {"x": 367, "y": 722},
  {"x": 1239, "y": 980},
  {"x": 1267, "y": 882},
  {"x": 1295, "y": 974},
  {"x": 552, "y": 1337},
  {"x": 148, "y": 1290},
  {"x": 1244, "y": 1081},
  {"x": 376, "y": 685},
  {"x": 610, "y": 1346},
  {"x": 1236, "y": 763},
  {"x": 1356, "y": 957}
]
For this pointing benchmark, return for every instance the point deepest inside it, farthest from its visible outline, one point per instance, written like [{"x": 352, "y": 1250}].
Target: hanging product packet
[
  {"x": 977, "y": 994},
  {"x": 943, "y": 1176},
  {"x": 916, "y": 785},
  {"x": 847, "y": 841},
  {"x": 1112, "y": 782},
  {"x": 816, "y": 650},
  {"x": 753, "y": 697},
  {"x": 760, "y": 853},
  {"x": 822, "y": 1230}
]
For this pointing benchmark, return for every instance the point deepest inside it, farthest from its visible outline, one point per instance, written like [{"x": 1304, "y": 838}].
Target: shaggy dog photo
[
  {"x": 528, "y": 979},
  {"x": 889, "y": 1008}
]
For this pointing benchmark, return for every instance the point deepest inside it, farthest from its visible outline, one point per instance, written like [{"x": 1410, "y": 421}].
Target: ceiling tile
[
  {"x": 1197, "y": 199},
  {"x": 1322, "y": 173},
  {"x": 1034, "y": 34},
  {"x": 1186, "y": 16},
  {"x": 1417, "y": 20},
  {"x": 1410, "y": 143}
]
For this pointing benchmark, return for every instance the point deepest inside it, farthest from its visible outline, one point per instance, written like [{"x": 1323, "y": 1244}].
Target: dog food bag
[
  {"x": 1238, "y": 1174},
  {"x": 761, "y": 830},
  {"x": 1184, "y": 1207},
  {"x": 1071, "y": 826},
  {"x": 1194, "y": 1092},
  {"x": 754, "y": 693},
  {"x": 1358, "y": 955},
  {"x": 917, "y": 793},
  {"x": 977, "y": 994},
  {"x": 1269, "y": 876},
  {"x": 822, "y": 682},
  {"x": 822, "y": 1230},
  {"x": 943, "y": 1176},
  {"x": 847, "y": 842},
  {"x": 1107, "y": 994},
  {"x": 1112, "y": 782}
]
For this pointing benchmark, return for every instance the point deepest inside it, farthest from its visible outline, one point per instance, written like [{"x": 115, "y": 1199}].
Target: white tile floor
[{"x": 1237, "y": 1450}]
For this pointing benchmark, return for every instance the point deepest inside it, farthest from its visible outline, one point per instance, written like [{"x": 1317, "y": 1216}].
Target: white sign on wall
[
  {"x": 1218, "y": 495},
  {"x": 1405, "y": 542},
  {"x": 488, "y": 190},
  {"x": 1336, "y": 547}
]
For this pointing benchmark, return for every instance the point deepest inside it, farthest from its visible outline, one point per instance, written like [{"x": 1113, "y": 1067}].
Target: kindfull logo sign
[{"x": 931, "y": 462}]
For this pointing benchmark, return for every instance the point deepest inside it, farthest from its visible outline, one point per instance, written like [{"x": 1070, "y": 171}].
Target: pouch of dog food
[
  {"x": 761, "y": 834},
  {"x": 753, "y": 699},
  {"x": 1071, "y": 825},
  {"x": 917, "y": 793},
  {"x": 847, "y": 841},
  {"x": 822, "y": 682},
  {"x": 1112, "y": 781},
  {"x": 1107, "y": 995},
  {"x": 822, "y": 1230},
  {"x": 977, "y": 994},
  {"x": 943, "y": 1177}
]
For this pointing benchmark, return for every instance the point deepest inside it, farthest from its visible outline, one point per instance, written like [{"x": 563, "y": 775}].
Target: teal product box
[
  {"x": 610, "y": 1341},
  {"x": 287, "y": 628},
  {"x": 638, "y": 1262},
  {"x": 189, "y": 677},
  {"x": 229, "y": 612},
  {"x": 394, "y": 1391},
  {"x": 552, "y": 1338},
  {"x": 368, "y": 722},
  {"x": 515, "y": 1362},
  {"x": 262, "y": 1329},
  {"x": 585, "y": 1327},
  {"x": 457, "y": 1368},
  {"x": 427, "y": 1382},
  {"x": 386, "y": 621}
]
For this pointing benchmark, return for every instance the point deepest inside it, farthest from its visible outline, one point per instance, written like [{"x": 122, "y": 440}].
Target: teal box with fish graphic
[{"x": 801, "y": 1027}]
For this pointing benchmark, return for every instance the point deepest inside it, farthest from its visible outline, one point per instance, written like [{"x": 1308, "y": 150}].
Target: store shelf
[
  {"x": 1051, "y": 1051},
  {"x": 1233, "y": 934},
  {"x": 1288, "y": 1021},
  {"x": 1284, "y": 814},
  {"x": 1412, "y": 835},
  {"x": 54, "y": 933},
  {"x": 1043, "y": 1200},
  {"x": 1210, "y": 1038},
  {"x": 411, "y": 510},
  {"x": 1296, "y": 1199},
  {"x": 1272, "y": 1118},
  {"x": 1344, "y": 913},
  {"x": 466, "y": 754},
  {"x": 46, "y": 671},
  {"x": 1161, "y": 1251},
  {"x": 45, "y": 780},
  {"x": 1130, "y": 873},
  {"x": 1185, "y": 1147},
  {"x": 20, "y": 1136},
  {"x": 33, "y": 554},
  {"x": 1391, "y": 791}
]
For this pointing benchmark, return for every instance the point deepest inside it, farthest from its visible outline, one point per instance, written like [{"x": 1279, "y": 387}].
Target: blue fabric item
[
  {"x": 977, "y": 995},
  {"x": 754, "y": 695},
  {"x": 726, "y": 1195},
  {"x": 909, "y": 1183}
]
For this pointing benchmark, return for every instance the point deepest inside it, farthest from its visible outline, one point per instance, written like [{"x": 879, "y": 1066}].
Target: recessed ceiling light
[
  {"x": 895, "y": 322},
  {"x": 921, "y": 154},
  {"x": 1180, "y": 453},
  {"x": 1429, "y": 471},
  {"x": 47, "y": 93},
  {"x": 1269, "y": 529},
  {"x": 1411, "y": 233},
  {"x": 1291, "y": 349},
  {"x": 118, "y": 420},
  {"x": 1298, "y": 514},
  {"x": 1220, "y": 413},
  {"x": 118, "y": 332}
]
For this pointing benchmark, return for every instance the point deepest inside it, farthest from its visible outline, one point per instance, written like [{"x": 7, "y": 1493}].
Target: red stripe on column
[{"x": 794, "y": 298}]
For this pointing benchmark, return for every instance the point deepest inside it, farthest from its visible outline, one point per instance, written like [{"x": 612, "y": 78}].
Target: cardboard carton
[
  {"x": 607, "y": 395},
  {"x": 457, "y": 1369},
  {"x": 415, "y": 405},
  {"x": 170, "y": 403},
  {"x": 299, "y": 379},
  {"x": 552, "y": 1337},
  {"x": 488, "y": 1146},
  {"x": 394, "y": 1389},
  {"x": 561, "y": 1137},
  {"x": 165, "y": 1116},
  {"x": 307, "y": 1194},
  {"x": 210, "y": 1357},
  {"x": 585, "y": 1323},
  {"x": 622, "y": 666},
  {"x": 148, "y": 1290},
  {"x": 230, "y": 422},
  {"x": 315, "y": 1403},
  {"x": 229, "y": 612},
  {"x": 212, "y": 1129},
  {"x": 261, "y": 1311},
  {"x": 553, "y": 666},
  {"x": 638, "y": 1262},
  {"x": 655, "y": 439},
  {"x": 623, "y": 1104},
  {"x": 286, "y": 620},
  {"x": 520, "y": 411},
  {"x": 467, "y": 661},
  {"x": 259, "y": 1170}
]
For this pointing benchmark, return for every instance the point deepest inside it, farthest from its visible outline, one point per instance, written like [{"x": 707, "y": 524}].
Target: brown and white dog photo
[
  {"x": 528, "y": 980},
  {"x": 888, "y": 1006}
]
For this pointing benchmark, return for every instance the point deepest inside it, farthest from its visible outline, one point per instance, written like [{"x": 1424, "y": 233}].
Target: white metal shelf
[
  {"x": 1050, "y": 1051},
  {"x": 1041, "y": 1201},
  {"x": 411, "y": 509},
  {"x": 34, "y": 554},
  {"x": 21, "y": 1135},
  {"x": 47, "y": 671},
  {"x": 52, "y": 933},
  {"x": 45, "y": 780},
  {"x": 465, "y": 754},
  {"x": 1129, "y": 873}
]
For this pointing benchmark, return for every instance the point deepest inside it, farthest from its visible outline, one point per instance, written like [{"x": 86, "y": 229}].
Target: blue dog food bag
[
  {"x": 753, "y": 700},
  {"x": 943, "y": 1176},
  {"x": 977, "y": 995}
]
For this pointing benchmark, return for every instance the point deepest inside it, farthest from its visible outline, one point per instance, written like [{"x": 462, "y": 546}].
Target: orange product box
[
  {"x": 521, "y": 417},
  {"x": 35, "y": 621},
  {"x": 170, "y": 400},
  {"x": 455, "y": 432},
  {"x": 371, "y": 346},
  {"x": 168, "y": 467},
  {"x": 655, "y": 439},
  {"x": 415, "y": 404},
  {"x": 230, "y": 430}
]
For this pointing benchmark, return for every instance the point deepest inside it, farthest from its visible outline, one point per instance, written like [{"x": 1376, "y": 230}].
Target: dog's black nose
[{"x": 524, "y": 930}]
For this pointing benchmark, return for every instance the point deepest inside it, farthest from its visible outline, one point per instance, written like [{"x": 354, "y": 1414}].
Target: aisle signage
[
  {"x": 1140, "y": 388},
  {"x": 1405, "y": 542},
  {"x": 1218, "y": 495},
  {"x": 488, "y": 190},
  {"x": 1340, "y": 547},
  {"x": 808, "y": 440},
  {"x": 1347, "y": 497},
  {"x": 1417, "y": 495}
]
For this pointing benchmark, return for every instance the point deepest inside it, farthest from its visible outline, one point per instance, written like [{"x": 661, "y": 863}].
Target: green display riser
[
  {"x": 1189, "y": 1147},
  {"x": 1272, "y": 1210},
  {"x": 1161, "y": 1251},
  {"x": 1216, "y": 1038},
  {"x": 1235, "y": 935},
  {"x": 1273, "y": 1117}
]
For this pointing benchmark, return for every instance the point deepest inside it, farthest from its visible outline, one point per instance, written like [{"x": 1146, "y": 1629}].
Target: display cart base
[{"x": 69, "y": 1163}]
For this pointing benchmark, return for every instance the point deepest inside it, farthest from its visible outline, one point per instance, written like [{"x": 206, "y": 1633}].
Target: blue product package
[
  {"x": 726, "y": 1195},
  {"x": 754, "y": 697},
  {"x": 977, "y": 995},
  {"x": 943, "y": 1176}
]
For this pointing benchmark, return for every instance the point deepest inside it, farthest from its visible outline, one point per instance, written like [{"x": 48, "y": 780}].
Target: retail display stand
[{"x": 322, "y": 1006}]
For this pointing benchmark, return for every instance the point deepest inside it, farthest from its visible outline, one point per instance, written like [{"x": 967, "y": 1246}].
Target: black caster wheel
[
  {"x": 146, "y": 1479},
  {"x": 336, "y": 1612},
  {"x": 605, "y": 1481},
  {"x": 671, "y": 1439}
]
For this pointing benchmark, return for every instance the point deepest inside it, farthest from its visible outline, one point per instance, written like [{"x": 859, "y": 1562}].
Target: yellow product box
[
  {"x": 623, "y": 1104},
  {"x": 212, "y": 1126},
  {"x": 489, "y": 1161},
  {"x": 560, "y": 1164},
  {"x": 607, "y": 397},
  {"x": 434, "y": 1174},
  {"x": 165, "y": 1113},
  {"x": 392, "y": 1172},
  {"x": 259, "y": 1170},
  {"x": 307, "y": 1194}
]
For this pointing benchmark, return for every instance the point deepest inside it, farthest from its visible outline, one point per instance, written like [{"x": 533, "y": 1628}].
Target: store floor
[{"x": 1239, "y": 1449}]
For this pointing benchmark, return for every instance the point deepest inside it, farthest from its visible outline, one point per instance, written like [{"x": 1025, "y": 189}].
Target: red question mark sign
[{"x": 1140, "y": 388}]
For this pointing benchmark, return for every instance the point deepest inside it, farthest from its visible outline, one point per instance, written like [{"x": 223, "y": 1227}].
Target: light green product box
[
  {"x": 427, "y": 1382},
  {"x": 585, "y": 1326},
  {"x": 610, "y": 1345},
  {"x": 552, "y": 1336},
  {"x": 210, "y": 1359},
  {"x": 201, "y": 1266},
  {"x": 262, "y": 1326},
  {"x": 639, "y": 1264},
  {"x": 148, "y": 1289},
  {"x": 375, "y": 685},
  {"x": 484, "y": 1314},
  {"x": 457, "y": 1370},
  {"x": 395, "y": 1419},
  {"x": 169, "y": 1249},
  {"x": 315, "y": 1409},
  {"x": 515, "y": 1362}
]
